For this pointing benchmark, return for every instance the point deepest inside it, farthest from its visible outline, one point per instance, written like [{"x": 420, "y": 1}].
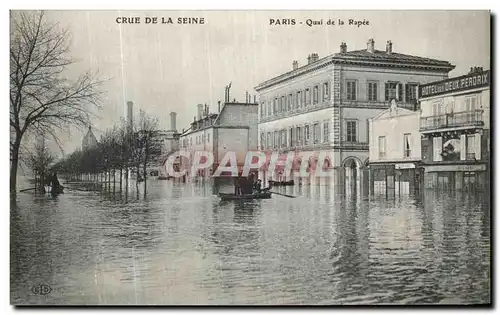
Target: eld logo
[{"x": 41, "y": 289}]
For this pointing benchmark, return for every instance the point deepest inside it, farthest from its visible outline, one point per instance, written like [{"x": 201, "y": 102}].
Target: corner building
[
  {"x": 326, "y": 105},
  {"x": 455, "y": 128}
]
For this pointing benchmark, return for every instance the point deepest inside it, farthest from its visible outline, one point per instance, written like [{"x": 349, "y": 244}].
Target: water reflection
[{"x": 182, "y": 245}]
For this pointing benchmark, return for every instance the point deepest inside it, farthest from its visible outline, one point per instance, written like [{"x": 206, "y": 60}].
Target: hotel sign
[
  {"x": 404, "y": 166},
  {"x": 463, "y": 83}
]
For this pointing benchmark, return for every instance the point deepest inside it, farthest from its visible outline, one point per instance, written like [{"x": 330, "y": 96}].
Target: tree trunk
[
  {"x": 137, "y": 169},
  {"x": 121, "y": 175},
  {"x": 114, "y": 182},
  {"x": 145, "y": 177},
  {"x": 126, "y": 182},
  {"x": 13, "y": 167}
]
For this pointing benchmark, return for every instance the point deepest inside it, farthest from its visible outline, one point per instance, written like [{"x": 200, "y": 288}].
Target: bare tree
[
  {"x": 39, "y": 160},
  {"x": 144, "y": 147},
  {"x": 42, "y": 99}
]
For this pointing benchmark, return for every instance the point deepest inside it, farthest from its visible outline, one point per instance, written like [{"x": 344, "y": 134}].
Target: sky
[{"x": 173, "y": 67}]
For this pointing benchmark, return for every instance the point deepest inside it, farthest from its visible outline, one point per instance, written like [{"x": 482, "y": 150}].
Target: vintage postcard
[{"x": 250, "y": 158}]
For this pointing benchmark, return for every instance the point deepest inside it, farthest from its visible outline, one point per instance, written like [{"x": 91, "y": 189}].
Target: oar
[
  {"x": 277, "y": 193},
  {"x": 23, "y": 190}
]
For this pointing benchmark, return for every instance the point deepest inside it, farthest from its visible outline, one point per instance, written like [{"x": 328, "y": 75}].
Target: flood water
[{"x": 184, "y": 246}]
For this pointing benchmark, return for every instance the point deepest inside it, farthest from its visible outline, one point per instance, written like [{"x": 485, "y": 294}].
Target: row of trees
[
  {"x": 119, "y": 151},
  {"x": 43, "y": 100}
]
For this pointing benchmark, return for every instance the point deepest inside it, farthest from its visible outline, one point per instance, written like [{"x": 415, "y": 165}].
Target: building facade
[
  {"x": 325, "y": 105},
  {"x": 395, "y": 152},
  {"x": 233, "y": 129},
  {"x": 455, "y": 128}
]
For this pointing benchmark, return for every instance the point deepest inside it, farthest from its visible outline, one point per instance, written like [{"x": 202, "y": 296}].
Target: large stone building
[
  {"x": 455, "y": 128},
  {"x": 233, "y": 129},
  {"x": 325, "y": 105}
]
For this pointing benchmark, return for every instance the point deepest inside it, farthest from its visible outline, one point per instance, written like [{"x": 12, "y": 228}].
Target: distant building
[
  {"x": 325, "y": 105},
  {"x": 233, "y": 129},
  {"x": 455, "y": 127},
  {"x": 89, "y": 140},
  {"x": 395, "y": 151}
]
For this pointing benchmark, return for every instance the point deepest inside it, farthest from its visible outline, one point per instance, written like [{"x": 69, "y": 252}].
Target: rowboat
[
  {"x": 285, "y": 183},
  {"x": 262, "y": 195},
  {"x": 49, "y": 190}
]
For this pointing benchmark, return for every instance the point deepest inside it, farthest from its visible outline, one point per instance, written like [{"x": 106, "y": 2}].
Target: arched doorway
[{"x": 351, "y": 167}]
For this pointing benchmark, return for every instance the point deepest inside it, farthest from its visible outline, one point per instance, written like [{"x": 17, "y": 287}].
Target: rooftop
[
  {"x": 368, "y": 56},
  {"x": 382, "y": 55}
]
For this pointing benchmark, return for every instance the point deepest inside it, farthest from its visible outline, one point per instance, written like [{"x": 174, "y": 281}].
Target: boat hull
[
  {"x": 264, "y": 195},
  {"x": 287, "y": 183}
]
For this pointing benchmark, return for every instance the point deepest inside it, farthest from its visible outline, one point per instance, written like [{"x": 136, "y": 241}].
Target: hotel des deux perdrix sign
[{"x": 462, "y": 83}]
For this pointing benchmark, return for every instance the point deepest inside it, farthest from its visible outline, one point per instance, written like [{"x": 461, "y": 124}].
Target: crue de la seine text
[{"x": 159, "y": 20}]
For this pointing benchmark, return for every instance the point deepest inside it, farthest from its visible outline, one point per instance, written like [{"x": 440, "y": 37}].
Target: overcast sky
[{"x": 172, "y": 67}]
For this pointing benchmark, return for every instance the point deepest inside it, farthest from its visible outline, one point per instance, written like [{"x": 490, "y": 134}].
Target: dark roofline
[
  {"x": 432, "y": 64},
  {"x": 241, "y": 103}
]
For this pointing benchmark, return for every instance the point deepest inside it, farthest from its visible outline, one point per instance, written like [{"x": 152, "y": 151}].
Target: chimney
[
  {"x": 206, "y": 109},
  {"x": 370, "y": 46},
  {"x": 343, "y": 48},
  {"x": 246, "y": 97},
  {"x": 309, "y": 59},
  {"x": 295, "y": 65},
  {"x": 200, "y": 111},
  {"x": 388, "y": 47},
  {"x": 130, "y": 114},
  {"x": 218, "y": 103},
  {"x": 314, "y": 57},
  {"x": 173, "y": 115}
]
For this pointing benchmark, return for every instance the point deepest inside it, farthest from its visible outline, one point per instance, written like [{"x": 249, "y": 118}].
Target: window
[
  {"x": 203, "y": 138},
  {"x": 326, "y": 131},
  {"x": 471, "y": 147},
  {"x": 269, "y": 108},
  {"x": 289, "y": 102},
  {"x": 208, "y": 137},
  {"x": 283, "y": 104},
  {"x": 407, "y": 145},
  {"x": 316, "y": 133},
  {"x": 275, "y": 106},
  {"x": 372, "y": 91},
  {"x": 298, "y": 135},
  {"x": 326, "y": 92},
  {"x": 306, "y": 134},
  {"x": 393, "y": 90},
  {"x": 411, "y": 92},
  {"x": 316, "y": 95},
  {"x": 299, "y": 99},
  {"x": 262, "y": 110},
  {"x": 351, "y": 130},
  {"x": 268, "y": 142},
  {"x": 381, "y": 147},
  {"x": 351, "y": 90},
  {"x": 284, "y": 143},
  {"x": 291, "y": 137},
  {"x": 304, "y": 98},
  {"x": 470, "y": 103},
  {"x": 262, "y": 141},
  {"x": 308, "y": 97}
]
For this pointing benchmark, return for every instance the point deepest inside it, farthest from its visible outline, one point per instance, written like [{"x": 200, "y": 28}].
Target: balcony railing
[{"x": 461, "y": 119}]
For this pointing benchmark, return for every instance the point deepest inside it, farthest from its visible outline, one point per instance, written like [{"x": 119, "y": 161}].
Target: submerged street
[{"x": 184, "y": 246}]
